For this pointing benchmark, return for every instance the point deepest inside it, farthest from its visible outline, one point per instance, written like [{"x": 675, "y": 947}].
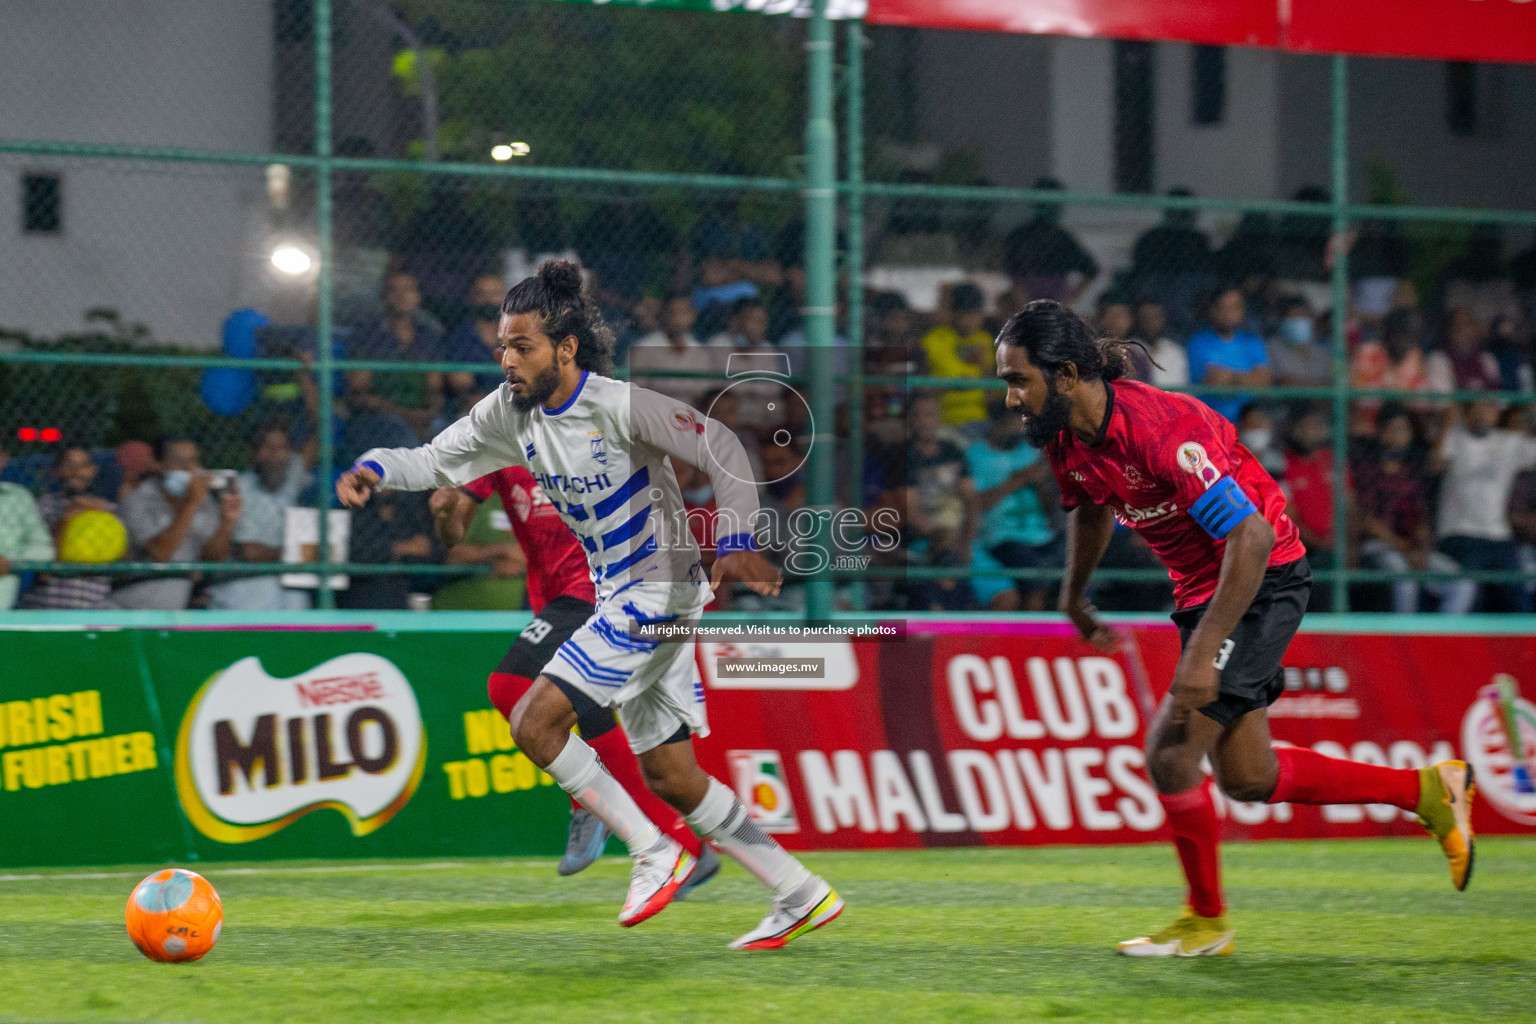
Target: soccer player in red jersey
[
  {"x": 1171, "y": 469},
  {"x": 562, "y": 597}
]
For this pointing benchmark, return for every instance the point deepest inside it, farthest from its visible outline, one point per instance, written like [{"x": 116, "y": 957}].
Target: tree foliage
[{"x": 592, "y": 86}]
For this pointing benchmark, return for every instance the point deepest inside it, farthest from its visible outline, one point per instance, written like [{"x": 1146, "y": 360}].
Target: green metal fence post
[
  {"x": 820, "y": 286},
  {"x": 853, "y": 135},
  {"x": 324, "y": 597},
  {"x": 1339, "y": 323}
]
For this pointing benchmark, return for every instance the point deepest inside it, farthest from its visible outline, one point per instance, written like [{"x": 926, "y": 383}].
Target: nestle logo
[{"x": 319, "y": 693}]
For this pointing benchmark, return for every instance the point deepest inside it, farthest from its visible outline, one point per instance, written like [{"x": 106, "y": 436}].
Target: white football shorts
[{"x": 654, "y": 685}]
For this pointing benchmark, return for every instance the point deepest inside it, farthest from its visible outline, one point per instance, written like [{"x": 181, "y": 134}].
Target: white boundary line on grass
[{"x": 310, "y": 870}]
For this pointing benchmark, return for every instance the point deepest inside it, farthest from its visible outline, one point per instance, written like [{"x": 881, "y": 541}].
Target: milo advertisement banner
[
  {"x": 126, "y": 745},
  {"x": 144, "y": 745},
  {"x": 254, "y": 753}
]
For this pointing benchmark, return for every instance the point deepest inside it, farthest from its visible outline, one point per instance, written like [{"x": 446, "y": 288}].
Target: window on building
[
  {"x": 1135, "y": 104},
  {"x": 1208, "y": 102},
  {"x": 1474, "y": 98},
  {"x": 294, "y": 21},
  {"x": 1461, "y": 97},
  {"x": 42, "y": 204}
]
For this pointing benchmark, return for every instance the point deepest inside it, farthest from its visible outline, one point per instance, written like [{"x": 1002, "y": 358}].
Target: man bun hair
[
  {"x": 556, "y": 294},
  {"x": 1054, "y": 336},
  {"x": 562, "y": 278}
]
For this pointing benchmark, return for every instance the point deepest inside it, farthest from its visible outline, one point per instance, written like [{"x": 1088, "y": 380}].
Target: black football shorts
[
  {"x": 542, "y": 637},
  {"x": 1249, "y": 661}
]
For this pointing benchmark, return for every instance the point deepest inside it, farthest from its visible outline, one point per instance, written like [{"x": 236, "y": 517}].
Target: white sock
[
  {"x": 581, "y": 774},
  {"x": 721, "y": 817}
]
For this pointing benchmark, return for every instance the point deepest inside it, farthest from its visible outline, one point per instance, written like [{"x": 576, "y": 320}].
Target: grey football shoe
[
  {"x": 709, "y": 867},
  {"x": 585, "y": 842}
]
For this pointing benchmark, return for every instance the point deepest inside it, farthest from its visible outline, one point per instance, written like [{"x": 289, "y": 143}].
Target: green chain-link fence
[{"x": 234, "y": 182}]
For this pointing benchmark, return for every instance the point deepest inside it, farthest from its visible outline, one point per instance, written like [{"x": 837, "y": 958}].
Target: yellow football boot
[
  {"x": 1190, "y": 935},
  {"x": 1445, "y": 810}
]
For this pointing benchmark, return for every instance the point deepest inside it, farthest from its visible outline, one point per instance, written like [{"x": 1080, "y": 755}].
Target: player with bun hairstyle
[
  {"x": 598, "y": 450},
  {"x": 562, "y": 598},
  {"x": 555, "y": 294},
  {"x": 1171, "y": 468}
]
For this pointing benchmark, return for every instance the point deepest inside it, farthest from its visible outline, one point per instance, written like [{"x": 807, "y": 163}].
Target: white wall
[
  {"x": 1235, "y": 159},
  {"x": 1082, "y": 104},
  {"x": 171, "y": 246},
  {"x": 987, "y": 92},
  {"x": 1397, "y": 117}
]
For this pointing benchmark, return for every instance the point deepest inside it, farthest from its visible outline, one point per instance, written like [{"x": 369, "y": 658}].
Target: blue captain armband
[{"x": 1222, "y": 507}]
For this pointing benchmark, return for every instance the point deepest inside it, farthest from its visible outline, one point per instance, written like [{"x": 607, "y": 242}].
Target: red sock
[
  {"x": 1195, "y": 836},
  {"x": 505, "y": 690},
  {"x": 613, "y": 747},
  {"x": 1307, "y": 777}
]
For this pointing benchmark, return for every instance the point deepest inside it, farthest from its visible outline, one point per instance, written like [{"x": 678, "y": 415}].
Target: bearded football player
[
  {"x": 599, "y": 449},
  {"x": 1171, "y": 468}
]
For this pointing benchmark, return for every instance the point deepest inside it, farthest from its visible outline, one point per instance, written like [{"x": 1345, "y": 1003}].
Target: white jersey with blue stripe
[{"x": 601, "y": 459}]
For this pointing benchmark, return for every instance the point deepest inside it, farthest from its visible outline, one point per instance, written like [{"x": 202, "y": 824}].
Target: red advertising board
[
  {"x": 1485, "y": 30},
  {"x": 974, "y": 733},
  {"x": 1482, "y": 30},
  {"x": 1234, "y": 22}
]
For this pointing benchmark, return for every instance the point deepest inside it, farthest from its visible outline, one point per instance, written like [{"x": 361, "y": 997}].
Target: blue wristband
[
  {"x": 378, "y": 470},
  {"x": 1222, "y": 507},
  {"x": 735, "y": 542}
]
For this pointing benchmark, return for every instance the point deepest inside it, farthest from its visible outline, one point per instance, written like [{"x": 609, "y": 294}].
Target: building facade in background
[{"x": 174, "y": 246}]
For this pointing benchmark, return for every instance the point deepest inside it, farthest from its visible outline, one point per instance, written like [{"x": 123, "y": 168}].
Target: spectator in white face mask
[
  {"x": 176, "y": 517},
  {"x": 1298, "y": 355},
  {"x": 1256, "y": 431}
]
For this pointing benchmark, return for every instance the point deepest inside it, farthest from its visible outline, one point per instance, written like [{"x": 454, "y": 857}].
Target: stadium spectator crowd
[{"x": 1432, "y": 484}]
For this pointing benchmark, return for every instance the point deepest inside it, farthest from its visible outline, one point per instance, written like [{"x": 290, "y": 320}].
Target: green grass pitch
[{"x": 1328, "y": 931}]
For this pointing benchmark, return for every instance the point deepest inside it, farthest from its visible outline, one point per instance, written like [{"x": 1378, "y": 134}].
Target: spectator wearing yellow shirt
[{"x": 962, "y": 348}]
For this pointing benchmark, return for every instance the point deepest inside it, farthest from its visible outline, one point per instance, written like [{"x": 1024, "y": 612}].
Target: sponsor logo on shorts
[
  {"x": 255, "y": 753},
  {"x": 762, "y": 789}
]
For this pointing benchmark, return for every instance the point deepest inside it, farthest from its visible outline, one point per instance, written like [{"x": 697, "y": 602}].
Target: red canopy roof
[{"x": 1484, "y": 30}]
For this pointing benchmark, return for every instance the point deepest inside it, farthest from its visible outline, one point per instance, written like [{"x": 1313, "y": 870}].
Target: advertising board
[{"x": 146, "y": 745}]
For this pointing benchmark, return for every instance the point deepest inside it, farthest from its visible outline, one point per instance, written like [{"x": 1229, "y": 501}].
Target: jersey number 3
[{"x": 1221, "y": 655}]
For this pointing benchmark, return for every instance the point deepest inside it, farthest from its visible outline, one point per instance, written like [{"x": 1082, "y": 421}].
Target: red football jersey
[
  {"x": 557, "y": 565},
  {"x": 1171, "y": 469}
]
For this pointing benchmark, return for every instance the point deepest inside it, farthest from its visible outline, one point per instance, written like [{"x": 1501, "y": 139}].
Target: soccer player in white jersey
[{"x": 598, "y": 449}]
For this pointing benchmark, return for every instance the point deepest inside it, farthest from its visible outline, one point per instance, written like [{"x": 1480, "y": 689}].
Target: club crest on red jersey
[
  {"x": 1194, "y": 459},
  {"x": 522, "y": 502}
]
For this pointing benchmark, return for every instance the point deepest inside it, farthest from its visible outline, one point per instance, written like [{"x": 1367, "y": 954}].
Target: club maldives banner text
[
  {"x": 147, "y": 745},
  {"x": 1019, "y": 734}
]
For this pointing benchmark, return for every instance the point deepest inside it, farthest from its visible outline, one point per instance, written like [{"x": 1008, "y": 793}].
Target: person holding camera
[
  {"x": 273, "y": 483},
  {"x": 183, "y": 514}
]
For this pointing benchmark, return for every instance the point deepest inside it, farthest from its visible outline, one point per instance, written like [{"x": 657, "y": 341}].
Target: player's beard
[
  {"x": 537, "y": 391},
  {"x": 1053, "y": 418}
]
